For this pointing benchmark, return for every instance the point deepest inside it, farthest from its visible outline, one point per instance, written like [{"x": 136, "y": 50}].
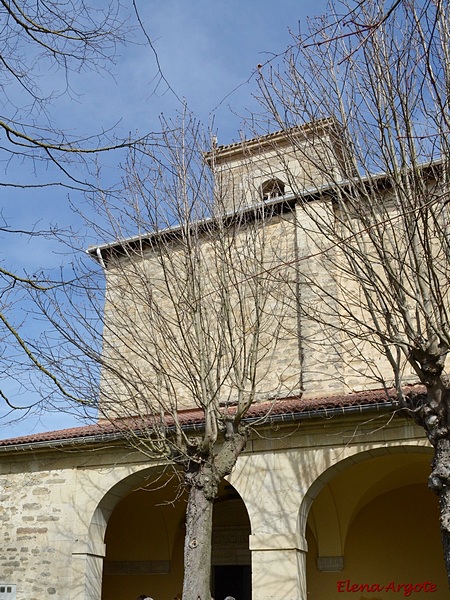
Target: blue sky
[{"x": 208, "y": 52}]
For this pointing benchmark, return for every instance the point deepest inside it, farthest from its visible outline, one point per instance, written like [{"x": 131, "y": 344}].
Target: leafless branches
[
  {"x": 44, "y": 45},
  {"x": 55, "y": 39},
  {"x": 381, "y": 224},
  {"x": 196, "y": 311}
]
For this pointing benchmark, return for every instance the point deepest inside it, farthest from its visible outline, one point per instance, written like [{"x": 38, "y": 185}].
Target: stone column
[
  {"x": 278, "y": 567},
  {"x": 87, "y": 572}
]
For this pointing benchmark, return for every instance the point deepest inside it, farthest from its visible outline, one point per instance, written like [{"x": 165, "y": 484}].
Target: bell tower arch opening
[{"x": 272, "y": 188}]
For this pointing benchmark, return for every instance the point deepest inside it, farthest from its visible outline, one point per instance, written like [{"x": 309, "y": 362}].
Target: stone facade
[
  {"x": 150, "y": 313},
  {"x": 300, "y": 159},
  {"x": 158, "y": 284},
  {"x": 301, "y": 486},
  {"x": 322, "y": 499}
]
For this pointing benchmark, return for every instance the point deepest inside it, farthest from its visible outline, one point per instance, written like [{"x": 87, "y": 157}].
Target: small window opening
[
  {"x": 272, "y": 189},
  {"x": 7, "y": 591}
]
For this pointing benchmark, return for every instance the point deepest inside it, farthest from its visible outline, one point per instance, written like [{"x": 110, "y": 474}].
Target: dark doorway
[{"x": 232, "y": 580}]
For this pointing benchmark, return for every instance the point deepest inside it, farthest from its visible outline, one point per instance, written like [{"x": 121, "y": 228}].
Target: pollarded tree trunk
[
  {"x": 197, "y": 543},
  {"x": 203, "y": 478},
  {"x": 433, "y": 415},
  {"x": 439, "y": 482}
]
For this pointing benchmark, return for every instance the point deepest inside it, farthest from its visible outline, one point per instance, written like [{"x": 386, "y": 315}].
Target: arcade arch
[
  {"x": 367, "y": 519},
  {"x": 141, "y": 523}
]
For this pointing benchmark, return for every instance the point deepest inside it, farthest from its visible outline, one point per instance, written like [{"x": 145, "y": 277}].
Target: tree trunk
[
  {"x": 197, "y": 543},
  {"x": 439, "y": 482},
  {"x": 444, "y": 505},
  {"x": 203, "y": 479},
  {"x": 433, "y": 414}
]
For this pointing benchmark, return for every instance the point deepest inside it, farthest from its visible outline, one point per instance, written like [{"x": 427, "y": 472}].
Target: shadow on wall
[
  {"x": 373, "y": 522},
  {"x": 145, "y": 537}
]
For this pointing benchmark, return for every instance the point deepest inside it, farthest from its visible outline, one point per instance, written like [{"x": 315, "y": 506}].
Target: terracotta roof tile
[{"x": 287, "y": 406}]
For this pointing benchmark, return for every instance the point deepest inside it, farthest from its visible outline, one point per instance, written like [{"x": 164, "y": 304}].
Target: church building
[{"x": 328, "y": 500}]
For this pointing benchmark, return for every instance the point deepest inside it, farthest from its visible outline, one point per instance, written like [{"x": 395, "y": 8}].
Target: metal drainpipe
[{"x": 98, "y": 252}]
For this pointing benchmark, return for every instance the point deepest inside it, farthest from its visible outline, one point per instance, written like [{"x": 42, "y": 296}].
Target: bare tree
[
  {"x": 61, "y": 39},
  {"x": 197, "y": 331},
  {"x": 44, "y": 46},
  {"x": 382, "y": 232}
]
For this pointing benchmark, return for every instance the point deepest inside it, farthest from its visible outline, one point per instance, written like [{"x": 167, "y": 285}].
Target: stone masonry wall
[
  {"x": 33, "y": 520},
  {"x": 52, "y": 538},
  {"x": 307, "y": 356},
  {"x": 152, "y": 306},
  {"x": 49, "y": 501}
]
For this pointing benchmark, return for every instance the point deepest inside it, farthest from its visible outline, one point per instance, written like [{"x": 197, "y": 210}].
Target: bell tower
[{"x": 285, "y": 163}]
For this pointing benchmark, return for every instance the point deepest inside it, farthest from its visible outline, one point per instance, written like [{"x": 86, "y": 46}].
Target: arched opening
[
  {"x": 144, "y": 536},
  {"x": 231, "y": 560},
  {"x": 144, "y": 541},
  {"x": 372, "y": 523},
  {"x": 272, "y": 188}
]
